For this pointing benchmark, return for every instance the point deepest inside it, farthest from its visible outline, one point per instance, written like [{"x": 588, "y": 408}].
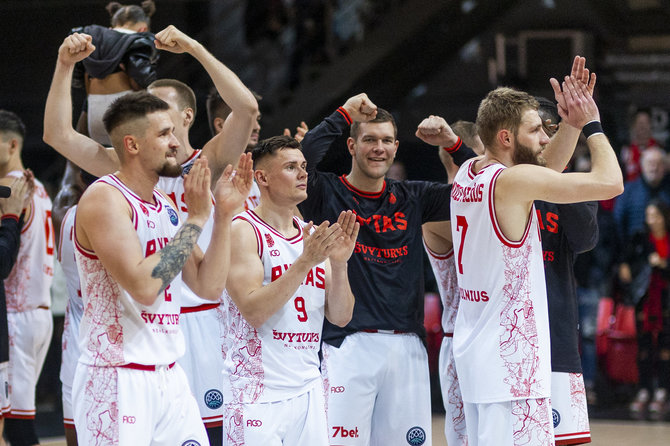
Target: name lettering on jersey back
[
  {"x": 316, "y": 276},
  {"x": 468, "y": 194},
  {"x": 383, "y": 223},
  {"x": 473, "y": 295}
]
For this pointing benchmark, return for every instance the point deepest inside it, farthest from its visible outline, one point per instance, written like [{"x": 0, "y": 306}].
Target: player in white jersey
[
  {"x": 203, "y": 344},
  {"x": 73, "y": 313},
  {"x": 27, "y": 289},
  {"x": 501, "y": 337},
  {"x": 285, "y": 279},
  {"x": 124, "y": 363},
  {"x": 438, "y": 246}
]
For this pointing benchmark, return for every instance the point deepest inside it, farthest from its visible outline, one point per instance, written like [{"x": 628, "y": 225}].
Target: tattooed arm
[{"x": 104, "y": 225}]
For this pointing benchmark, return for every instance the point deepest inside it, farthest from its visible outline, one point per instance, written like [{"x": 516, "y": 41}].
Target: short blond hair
[{"x": 501, "y": 109}]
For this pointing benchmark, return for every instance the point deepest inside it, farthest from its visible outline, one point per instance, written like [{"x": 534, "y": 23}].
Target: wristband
[
  {"x": 455, "y": 147},
  {"x": 344, "y": 113},
  {"x": 12, "y": 216},
  {"x": 592, "y": 128}
]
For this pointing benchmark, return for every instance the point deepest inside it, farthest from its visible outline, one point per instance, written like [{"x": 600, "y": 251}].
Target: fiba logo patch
[
  {"x": 416, "y": 436},
  {"x": 190, "y": 443},
  {"x": 173, "y": 216},
  {"x": 269, "y": 240},
  {"x": 213, "y": 399},
  {"x": 556, "y": 416}
]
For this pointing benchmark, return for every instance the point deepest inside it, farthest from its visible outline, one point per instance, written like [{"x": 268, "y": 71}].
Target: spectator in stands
[
  {"x": 653, "y": 183},
  {"x": 646, "y": 269},
  {"x": 640, "y": 139}
]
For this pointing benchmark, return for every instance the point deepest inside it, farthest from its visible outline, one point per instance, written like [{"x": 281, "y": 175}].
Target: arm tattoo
[{"x": 175, "y": 254}]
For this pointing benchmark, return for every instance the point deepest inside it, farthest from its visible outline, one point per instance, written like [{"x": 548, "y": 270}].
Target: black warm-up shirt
[
  {"x": 567, "y": 230},
  {"x": 386, "y": 269}
]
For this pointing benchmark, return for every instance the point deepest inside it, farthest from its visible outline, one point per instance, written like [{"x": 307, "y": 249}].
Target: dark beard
[
  {"x": 525, "y": 155},
  {"x": 170, "y": 170}
]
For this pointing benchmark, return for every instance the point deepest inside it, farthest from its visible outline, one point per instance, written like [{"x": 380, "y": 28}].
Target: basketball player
[
  {"x": 439, "y": 248},
  {"x": 285, "y": 278},
  {"x": 130, "y": 254},
  {"x": 566, "y": 230},
  {"x": 501, "y": 337},
  {"x": 204, "y": 344},
  {"x": 217, "y": 113},
  {"x": 381, "y": 350},
  {"x": 11, "y": 221},
  {"x": 27, "y": 288},
  {"x": 76, "y": 185}
]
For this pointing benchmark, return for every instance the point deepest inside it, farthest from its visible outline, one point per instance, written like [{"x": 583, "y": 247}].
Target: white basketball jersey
[
  {"x": 116, "y": 329},
  {"x": 254, "y": 198},
  {"x": 279, "y": 360},
  {"x": 444, "y": 270},
  {"x": 75, "y": 304},
  {"x": 28, "y": 285},
  {"x": 501, "y": 338},
  {"x": 174, "y": 188}
]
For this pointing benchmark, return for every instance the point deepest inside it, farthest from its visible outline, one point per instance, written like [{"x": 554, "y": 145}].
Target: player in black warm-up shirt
[
  {"x": 566, "y": 230},
  {"x": 376, "y": 368}
]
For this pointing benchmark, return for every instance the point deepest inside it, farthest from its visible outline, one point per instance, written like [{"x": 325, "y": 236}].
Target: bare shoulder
[{"x": 101, "y": 200}]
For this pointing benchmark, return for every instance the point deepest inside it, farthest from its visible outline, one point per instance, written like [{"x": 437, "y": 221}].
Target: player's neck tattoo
[{"x": 175, "y": 253}]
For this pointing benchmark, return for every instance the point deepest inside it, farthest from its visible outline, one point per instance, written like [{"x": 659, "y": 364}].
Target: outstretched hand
[
  {"x": 197, "y": 196},
  {"x": 75, "y": 47},
  {"x": 22, "y": 192},
  {"x": 233, "y": 187},
  {"x": 581, "y": 108},
  {"x": 344, "y": 245},
  {"x": 360, "y": 108},
  {"x": 173, "y": 40},
  {"x": 319, "y": 244},
  {"x": 579, "y": 74},
  {"x": 435, "y": 131},
  {"x": 300, "y": 131}
]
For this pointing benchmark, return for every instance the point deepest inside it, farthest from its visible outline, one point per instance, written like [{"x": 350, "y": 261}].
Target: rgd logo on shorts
[
  {"x": 213, "y": 399},
  {"x": 338, "y": 389},
  {"x": 254, "y": 423},
  {"x": 416, "y": 436},
  {"x": 556, "y": 416},
  {"x": 190, "y": 443}
]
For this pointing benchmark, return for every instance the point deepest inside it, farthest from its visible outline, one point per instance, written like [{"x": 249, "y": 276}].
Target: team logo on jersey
[
  {"x": 144, "y": 210},
  {"x": 186, "y": 169},
  {"x": 269, "y": 240},
  {"x": 416, "y": 436},
  {"x": 392, "y": 198},
  {"x": 174, "y": 219},
  {"x": 190, "y": 443},
  {"x": 213, "y": 399},
  {"x": 556, "y": 416}
]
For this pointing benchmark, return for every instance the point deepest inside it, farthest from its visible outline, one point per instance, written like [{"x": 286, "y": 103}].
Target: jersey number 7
[{"x": 462, "y": 227}]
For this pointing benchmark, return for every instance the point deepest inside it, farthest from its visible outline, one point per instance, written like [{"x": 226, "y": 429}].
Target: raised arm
[
  {"x": 226, "y": 146},
  {"x": 316, "y": 142},
  {"x": 525, "y": 183},
  {"x": 104, "y": 225},
  {"x": 563, "y": 143},
  {"x": 435, "y": 131},
  {"x": 206, "y": 273},
  {"x": 256, "y": 302},
  {"x": 58, "y": 131}
]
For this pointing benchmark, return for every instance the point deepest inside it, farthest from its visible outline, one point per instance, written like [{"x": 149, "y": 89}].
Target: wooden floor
[{"x": 604, "y": 433}]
